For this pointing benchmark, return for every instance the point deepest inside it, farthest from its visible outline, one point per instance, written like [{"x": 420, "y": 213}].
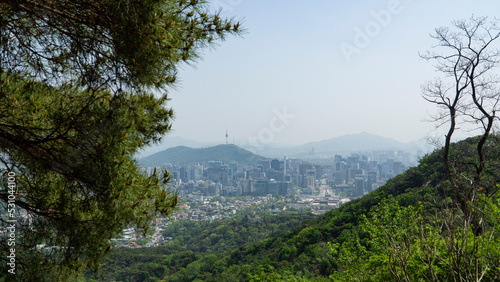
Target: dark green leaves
[{"x": 106, "y": 44}]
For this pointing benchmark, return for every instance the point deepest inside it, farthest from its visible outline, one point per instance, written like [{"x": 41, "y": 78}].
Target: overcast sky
[{"x": 304, "y": 72}]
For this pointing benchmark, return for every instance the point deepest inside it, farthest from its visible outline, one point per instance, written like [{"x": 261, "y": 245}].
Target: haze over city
[{"x": 331, "y": 67}]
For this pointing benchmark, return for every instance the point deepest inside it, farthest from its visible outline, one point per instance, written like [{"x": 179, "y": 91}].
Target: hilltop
[{"x": 182, "y": 155}]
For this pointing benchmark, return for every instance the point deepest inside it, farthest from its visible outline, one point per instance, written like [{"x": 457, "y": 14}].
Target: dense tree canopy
[{"x": 83, "y": 87}]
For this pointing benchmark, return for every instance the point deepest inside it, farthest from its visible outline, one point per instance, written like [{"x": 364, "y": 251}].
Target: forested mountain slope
[{"x": 303, "y": 252}]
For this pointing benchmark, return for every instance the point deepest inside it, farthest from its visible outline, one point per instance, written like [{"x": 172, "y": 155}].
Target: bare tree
[
  {"x": 460, "y": 241},
  {"x": 468, "y": 60}
]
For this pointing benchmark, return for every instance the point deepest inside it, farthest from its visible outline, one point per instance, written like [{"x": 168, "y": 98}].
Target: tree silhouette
[{"x": 471, "y": 100}]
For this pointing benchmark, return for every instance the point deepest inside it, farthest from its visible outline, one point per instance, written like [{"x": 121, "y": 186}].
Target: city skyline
[{"x": 304, "y": 73}]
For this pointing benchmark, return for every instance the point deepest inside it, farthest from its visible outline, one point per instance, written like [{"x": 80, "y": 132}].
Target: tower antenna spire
[{"x": 226, "y": 135}]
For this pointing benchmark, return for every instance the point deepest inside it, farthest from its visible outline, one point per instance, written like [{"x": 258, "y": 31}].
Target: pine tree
[{"x": 83, "y": 86}]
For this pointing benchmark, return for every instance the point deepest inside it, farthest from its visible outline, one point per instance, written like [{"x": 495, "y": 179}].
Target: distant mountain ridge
[
  {"x": 183, "y": 155},
  {"x": 355, "y": 142},
  {"x": 346, "y": 143}
]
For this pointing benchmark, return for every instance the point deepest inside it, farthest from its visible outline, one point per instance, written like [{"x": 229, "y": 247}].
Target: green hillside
[
  {"x": 198, "y": 240},
  {"x": 228, "y": 153},
  {"x": 304, "y": 251}
]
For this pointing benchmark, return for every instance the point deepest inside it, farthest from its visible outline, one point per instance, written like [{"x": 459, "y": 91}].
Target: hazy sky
[{"x": 303, "y": 72}]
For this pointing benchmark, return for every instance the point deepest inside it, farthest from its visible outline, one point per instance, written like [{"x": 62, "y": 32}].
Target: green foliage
[
  {"x": 75, "y": 176},
  {"x": 351, "y": 257},
  {"x": 100, "y": 44},
  {"x": 76, "y": 104},
  {"x": 230, "y": 233},
  {"x": 402, "y": 246},
  {"x": 199, "y": 249}
]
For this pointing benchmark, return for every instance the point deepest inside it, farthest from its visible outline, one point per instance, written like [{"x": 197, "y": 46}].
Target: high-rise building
[
  {"x": 183, "y": 174},
  {"x": 359, "y": 186},
  {"x": 275, "y": 164},
  {"x": 218, "y": 174},
  {"x": 261, "y": 186},
  {"x": 310, "y": 178},
  {"x": 246, "y": 186},
  {"x": 302, "y": 177}
]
